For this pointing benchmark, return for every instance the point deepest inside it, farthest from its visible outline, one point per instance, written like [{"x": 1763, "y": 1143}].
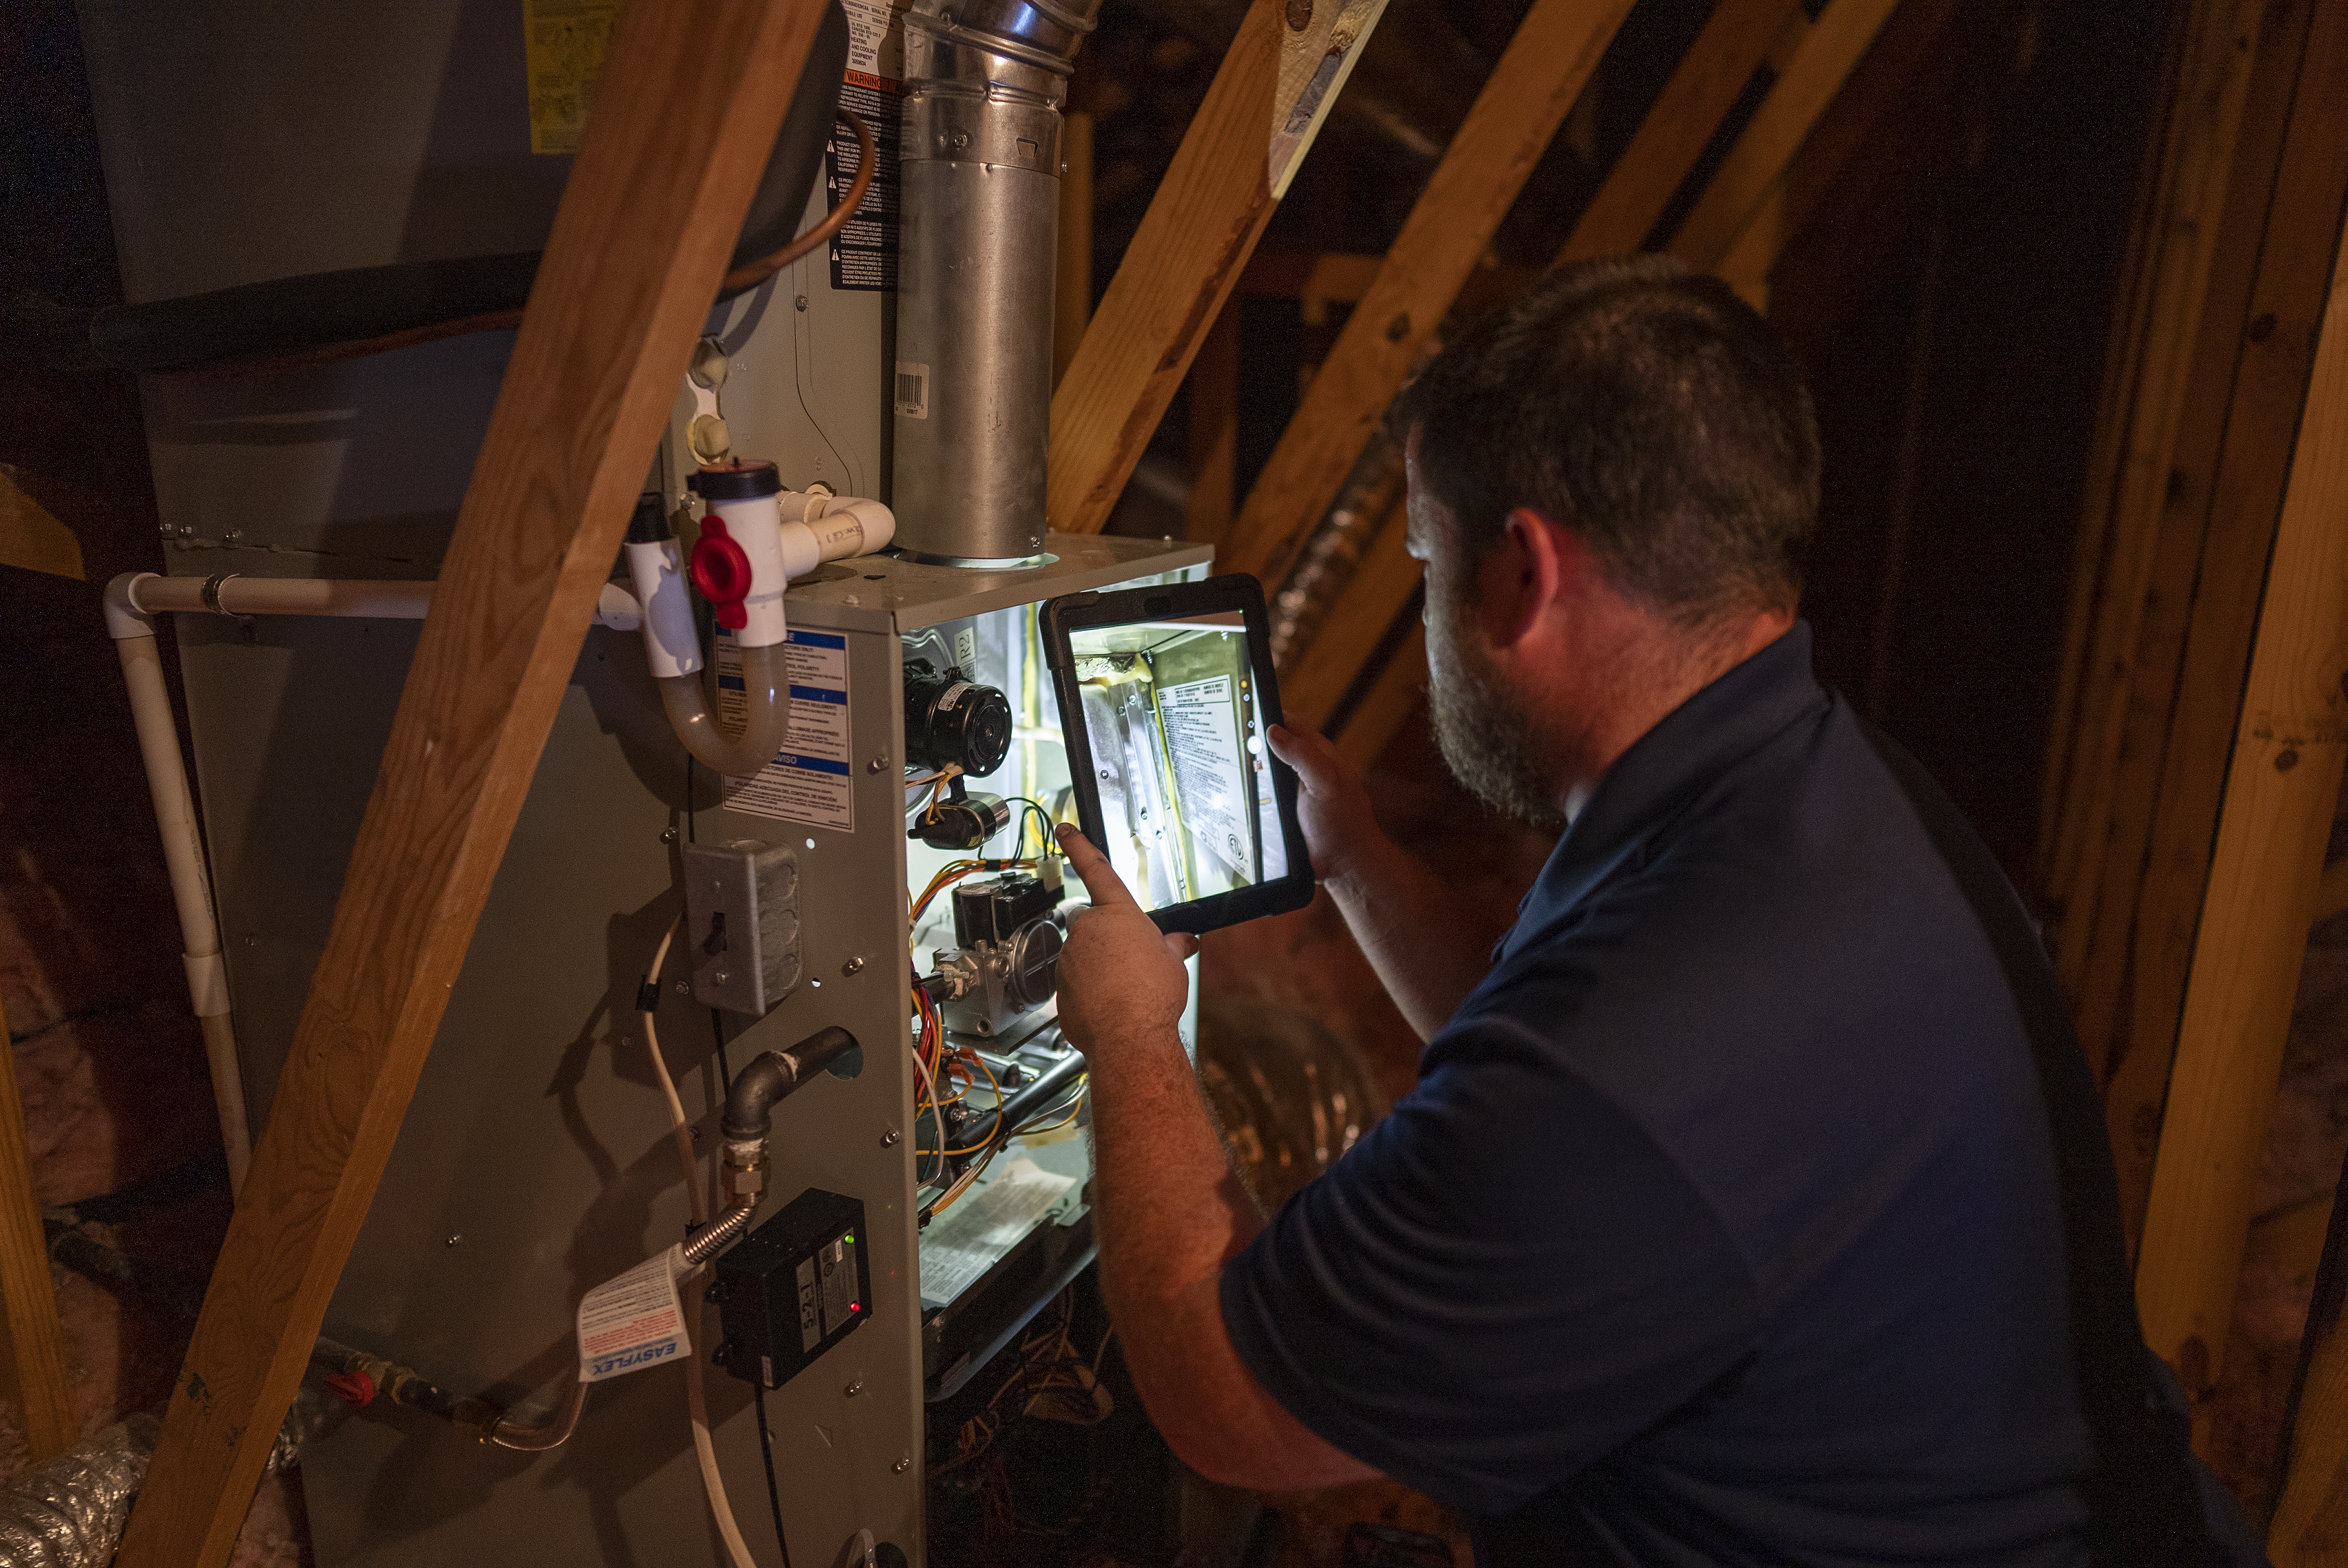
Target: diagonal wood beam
[
  {"x": 2197, "y": 157},
  {"x": 1766, "y": 149},
  {"x": 2283, "y": 786},
  {"x": 1704, "y": 87},
  {"x": 1391, "y": 702},
  {"x": 1193, "y": 243},
  {"x": 31, "y": 1340},
  {"x": 1310, "y": 689},
  {"x": 1540, "y": 74},
  {"x": 688, "y": 109}
]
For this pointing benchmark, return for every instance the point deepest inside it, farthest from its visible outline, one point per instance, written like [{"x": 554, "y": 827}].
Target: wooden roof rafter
[{"x": 1739, "y": 220}]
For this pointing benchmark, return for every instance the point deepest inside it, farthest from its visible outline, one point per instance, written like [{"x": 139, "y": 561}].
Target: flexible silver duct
[
  {"x": 981, "y": 192},
  {"x": 68, "y": 1511}
]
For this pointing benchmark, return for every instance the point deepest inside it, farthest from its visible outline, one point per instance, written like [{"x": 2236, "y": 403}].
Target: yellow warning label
[{"x": 566, "y": 41}]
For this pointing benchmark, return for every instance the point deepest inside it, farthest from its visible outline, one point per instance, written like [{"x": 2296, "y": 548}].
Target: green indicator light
[{"x": 850, "y": 1239}]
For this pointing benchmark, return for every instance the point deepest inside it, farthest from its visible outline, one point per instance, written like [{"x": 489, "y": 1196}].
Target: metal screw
[
  {"x": 888, "y": 1139},
  {"x": 685, "y": 987},
  {"x": 902, "y": 1464},
  {"x": 878, "y": 765},
  {"x": 455, "y": 1239},
  {"x": 668, "y": 836},
  {"x": 722, "y": 975},
  {"x": 252, "y": 941},
  {"x": 854, "y": 1389},
  {"x": 800, "y": 302},
  {"x": 853, "y": 965},
  {"x": 234, "y": 534}
]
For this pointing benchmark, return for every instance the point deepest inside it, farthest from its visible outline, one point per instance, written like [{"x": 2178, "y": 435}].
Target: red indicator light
[{"x": 855, "y": 1306}]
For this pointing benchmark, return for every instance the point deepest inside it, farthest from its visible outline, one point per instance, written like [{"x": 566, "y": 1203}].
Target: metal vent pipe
[{"x": 981, "y": 192}]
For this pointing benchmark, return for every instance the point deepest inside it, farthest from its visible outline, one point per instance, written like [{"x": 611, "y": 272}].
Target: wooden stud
[
  {"x": 2130, "y": 330},
  {"x": 1214, "y": 430},
  {"x": 2282, "y": 787},
  {"x": 1536, "y": 82},
  {"x": 1826, "y": 55},
  {"x": 2232, "y": 459},
  {"x": 31, "y": 1340},
  {"x": 2310, "y": 1518},
  {"x": 687, "y": 112},
  {"x": 1193, "y": 243},
  {"x": 1318, "y": 679},
  {"x": 2212, "y": 88},
  {"x": 1394, "y": 698},
  {"x": 1704, "y": 87},
  {"x": 2330, "y": 892}
]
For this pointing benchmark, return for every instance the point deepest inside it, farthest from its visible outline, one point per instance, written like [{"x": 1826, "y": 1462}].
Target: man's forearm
[
  {"x": 1169, "y": 1208},
  {"x": 1429, "y": 946},
  {"x": 1171, "y": 1211}
]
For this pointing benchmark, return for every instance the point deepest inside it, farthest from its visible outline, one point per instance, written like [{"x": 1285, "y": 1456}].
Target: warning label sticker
[
  {"x": 564, "y": 43},
  {"x": 810, "y": 780},
  {"x": 864, "y": 253},
  {"x": 634, "y": 1320}
]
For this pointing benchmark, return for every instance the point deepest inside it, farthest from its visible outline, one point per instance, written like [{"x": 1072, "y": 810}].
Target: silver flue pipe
[{"x": 977, "y": 232}]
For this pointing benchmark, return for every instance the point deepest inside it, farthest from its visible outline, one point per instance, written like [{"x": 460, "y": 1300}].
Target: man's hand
[
  {"x": 1331, "y": 804},
  {"x": 1119, "y": 974}
]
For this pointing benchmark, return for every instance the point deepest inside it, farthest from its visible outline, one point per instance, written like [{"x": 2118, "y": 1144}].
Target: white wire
[{"x": 697, "y": 1397}]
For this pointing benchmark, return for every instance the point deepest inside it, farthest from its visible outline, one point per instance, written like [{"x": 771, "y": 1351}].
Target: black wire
[
  {"x": 1018, "y": 847},
  {"x": 766, "y": 1449}
]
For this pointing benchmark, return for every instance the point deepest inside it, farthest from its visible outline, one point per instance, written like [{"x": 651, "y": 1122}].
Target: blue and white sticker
[{"x": 810, "y": 780}]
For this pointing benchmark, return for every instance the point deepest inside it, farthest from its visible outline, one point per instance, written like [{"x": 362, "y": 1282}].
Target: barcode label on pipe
[
  {"x": 634, "y": 1320},
  {"x": 912, "y": 390}
]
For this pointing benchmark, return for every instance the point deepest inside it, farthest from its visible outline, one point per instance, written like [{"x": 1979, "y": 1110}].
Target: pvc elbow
[
  {"x": 818, "y": 528},
  {"x": 124, "y": 619},
  {"x": 767, "y": 694}
]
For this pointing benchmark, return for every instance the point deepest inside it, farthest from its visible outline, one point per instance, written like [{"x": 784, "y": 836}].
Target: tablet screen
[{"x": 1176, "y": 735}]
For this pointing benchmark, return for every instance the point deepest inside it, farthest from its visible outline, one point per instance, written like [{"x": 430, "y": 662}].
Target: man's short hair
[{"x": 1646, "y": 407}]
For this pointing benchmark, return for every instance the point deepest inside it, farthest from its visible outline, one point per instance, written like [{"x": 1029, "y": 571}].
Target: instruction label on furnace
[
  {"x": 1203, "y": 737},
  {"x": 810, "y": 780},
  {"x": 634, "y": 1320}
]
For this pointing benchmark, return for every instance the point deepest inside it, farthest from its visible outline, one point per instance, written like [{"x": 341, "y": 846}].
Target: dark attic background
[{"x": 1951, "y": 243}]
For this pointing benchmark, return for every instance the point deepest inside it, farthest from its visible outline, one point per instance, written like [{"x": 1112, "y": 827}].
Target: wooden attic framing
[{"x": 605, "y": 339}]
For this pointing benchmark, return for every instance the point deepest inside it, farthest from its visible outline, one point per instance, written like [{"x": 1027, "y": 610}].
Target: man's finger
[
  {"x": 1307, "y": 753},
  {"x": 1100, "y": 878},
  {"x": 1181, "y": 944}
]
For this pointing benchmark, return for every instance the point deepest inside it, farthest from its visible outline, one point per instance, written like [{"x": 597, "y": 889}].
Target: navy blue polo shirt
[{"x": 1723, "y": 1226}]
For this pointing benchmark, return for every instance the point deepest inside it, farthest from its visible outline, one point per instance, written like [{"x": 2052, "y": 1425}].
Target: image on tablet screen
[{"x": 1179, "y": 756}]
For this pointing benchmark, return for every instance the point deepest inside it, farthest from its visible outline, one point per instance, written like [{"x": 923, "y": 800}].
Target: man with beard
[{"x": 1753, "y": 1206}]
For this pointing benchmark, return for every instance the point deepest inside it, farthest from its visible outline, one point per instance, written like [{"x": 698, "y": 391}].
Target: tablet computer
[{"x": 1166, "y": 694}]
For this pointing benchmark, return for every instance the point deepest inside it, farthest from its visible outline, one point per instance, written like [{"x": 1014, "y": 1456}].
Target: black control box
[
  {"x": 998, "y": 908},
  {"x": 797, "y": 1285}
]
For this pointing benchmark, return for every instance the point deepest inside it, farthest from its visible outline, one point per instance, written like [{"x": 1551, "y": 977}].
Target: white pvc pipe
[
  {"x": 785, "y": 535},
  {"x": 146, "y": 594},
  {"x": 183, "y": 856}
]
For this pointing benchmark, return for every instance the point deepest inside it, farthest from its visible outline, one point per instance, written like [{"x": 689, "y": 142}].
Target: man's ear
[{"x": 1533, "y": 564}]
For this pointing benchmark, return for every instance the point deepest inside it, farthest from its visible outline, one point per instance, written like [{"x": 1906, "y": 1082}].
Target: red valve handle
[
  {"x": 721, "y": 570},
  {"x": 355, "y": 1388}
]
